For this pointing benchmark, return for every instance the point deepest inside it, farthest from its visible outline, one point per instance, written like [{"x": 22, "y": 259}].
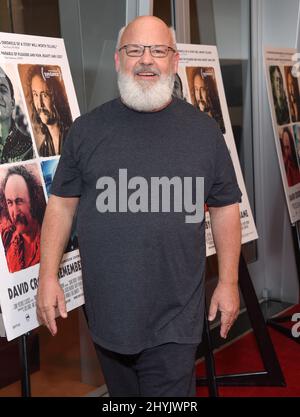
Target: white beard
[{"x": 144, "y": 95}]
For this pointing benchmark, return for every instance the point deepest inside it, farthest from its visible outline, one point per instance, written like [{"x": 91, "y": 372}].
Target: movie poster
[
  {"x": 199, "y": 82},
  {"x": 284, "y": 99},
  {"x": 38, "y": 105}
]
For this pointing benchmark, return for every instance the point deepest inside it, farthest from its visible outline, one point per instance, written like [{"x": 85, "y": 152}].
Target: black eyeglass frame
[{"x": 143, "y": 49}]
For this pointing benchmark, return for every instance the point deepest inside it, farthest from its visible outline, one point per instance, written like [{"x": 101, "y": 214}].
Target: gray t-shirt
[{"x": 143, "y": 272}]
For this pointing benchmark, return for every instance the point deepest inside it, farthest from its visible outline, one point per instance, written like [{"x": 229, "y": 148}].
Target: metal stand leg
[
  {"x": 209, "y": 359},
  {"x": 25, "y": 376},
  {"x": 272, "y": 376}
]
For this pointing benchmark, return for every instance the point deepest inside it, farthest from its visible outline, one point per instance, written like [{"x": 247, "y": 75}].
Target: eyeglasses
[{"x": 157, "y": 51}]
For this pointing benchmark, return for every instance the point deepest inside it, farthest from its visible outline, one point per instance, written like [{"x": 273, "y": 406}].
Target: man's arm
[
  {"x": 55, "y": 233},
  {"x": 226, "y": 228}
]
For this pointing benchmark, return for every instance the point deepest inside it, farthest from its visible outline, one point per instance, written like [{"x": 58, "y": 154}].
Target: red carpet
[{"x": 243, "y": 356}]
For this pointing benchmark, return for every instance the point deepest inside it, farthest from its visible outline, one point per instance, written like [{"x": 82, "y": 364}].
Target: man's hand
[
  {"x": 49, "y": 297},
  {"x": 226, "y": 299},
  {"x": 55, "y": 233}
]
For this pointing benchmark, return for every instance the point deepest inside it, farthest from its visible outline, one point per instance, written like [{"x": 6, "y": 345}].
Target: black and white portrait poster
[
  {"x": 284, "y": 98},
  {"x": 37, "y": 107},
  {"x": 199, "y": 82}
]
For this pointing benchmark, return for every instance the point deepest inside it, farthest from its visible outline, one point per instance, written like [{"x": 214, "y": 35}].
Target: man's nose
[
  {"x": 14, "y": 211},
  {"x": 41, "y": 101},
  {"x": 146, "y": 58}
]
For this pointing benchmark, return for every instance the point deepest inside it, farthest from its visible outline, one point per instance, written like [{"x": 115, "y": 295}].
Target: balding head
[{"x": 151, "y": 24}]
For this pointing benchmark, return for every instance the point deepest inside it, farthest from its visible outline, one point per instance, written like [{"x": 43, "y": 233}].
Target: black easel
[
  {"x": 275, "y": 321},
  {"x": 25, "y": 372},
  {"x": 272, "y": 375},
  {"x": 209, "y": 359}
]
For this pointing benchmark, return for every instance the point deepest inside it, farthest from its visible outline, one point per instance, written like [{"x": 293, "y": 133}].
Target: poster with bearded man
[
  {"x": 22, "y": 207},
  {"x": 41, "y": 105},
  {"x": 47, "y": 105}
]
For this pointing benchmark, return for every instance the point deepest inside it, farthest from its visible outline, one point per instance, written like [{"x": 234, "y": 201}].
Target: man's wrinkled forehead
[
  {"x": 198, "y": 80},
  {"x": 15, "y": 185}
]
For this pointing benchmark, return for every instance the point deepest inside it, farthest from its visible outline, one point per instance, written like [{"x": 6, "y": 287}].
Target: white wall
[
  {"x": 228, "y": 17},
  {"x": 90, "y": 30}
]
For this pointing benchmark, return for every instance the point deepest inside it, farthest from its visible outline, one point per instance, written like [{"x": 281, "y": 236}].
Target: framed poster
[
  {"x": 199, "y": 82},
  {"x": 284, "y": 98},
  {"x": 38, "y": 106}
]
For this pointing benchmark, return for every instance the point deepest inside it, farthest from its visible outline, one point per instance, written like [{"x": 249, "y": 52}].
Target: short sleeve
[
  {"x": 67, "y": 179},
  {"x": 224, "y": 190}
]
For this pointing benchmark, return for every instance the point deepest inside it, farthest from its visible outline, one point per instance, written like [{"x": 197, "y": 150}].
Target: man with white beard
[{"x": 143, "y": 269}]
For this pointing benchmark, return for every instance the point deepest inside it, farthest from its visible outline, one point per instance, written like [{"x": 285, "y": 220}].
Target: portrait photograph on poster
[
  {"x": 15, "y": 139},
  {"x": 47, "y": 105},
  {"x": 48, "y": 168},
  {"x": 293, "y": 93},
  {"x": 204, "y": 92},
  {"x": 22, "y": 207},
  {"x": 201, "y": 85},
  {"x": 37, "y": 107},
  {"x": 279, "y": 95},
  {"x": 289, "y": 156},
  {"x": 284, "y": 100}
]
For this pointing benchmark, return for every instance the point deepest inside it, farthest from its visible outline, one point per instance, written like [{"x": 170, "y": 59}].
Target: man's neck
[
  {"x": 150, "y": 111},
  {"x": 164, "y": 106},
  {"x": 5, "y": 127}
]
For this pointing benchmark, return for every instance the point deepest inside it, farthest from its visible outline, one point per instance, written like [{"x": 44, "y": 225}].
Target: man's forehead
[
  {"x": 38, "y": 78},
  {"x": 147, "y": 33},
  {"x": 16, "y": 183},
  {"x": 38, "y": 83},
  {"x": 198, "y": 79}
]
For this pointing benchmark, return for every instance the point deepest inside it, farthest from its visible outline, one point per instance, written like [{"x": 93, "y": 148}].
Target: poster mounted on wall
[
  {"x": 199, "y": 82},
  {"x": 282, "y": 76},
  {"x": 38, "y": 106}
]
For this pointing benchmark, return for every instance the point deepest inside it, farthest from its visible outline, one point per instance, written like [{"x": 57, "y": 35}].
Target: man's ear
[
  {"x": 13, "y": 103},
  {"x": 117, "y": 61},
  {"x": 176, "y": 62}
]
